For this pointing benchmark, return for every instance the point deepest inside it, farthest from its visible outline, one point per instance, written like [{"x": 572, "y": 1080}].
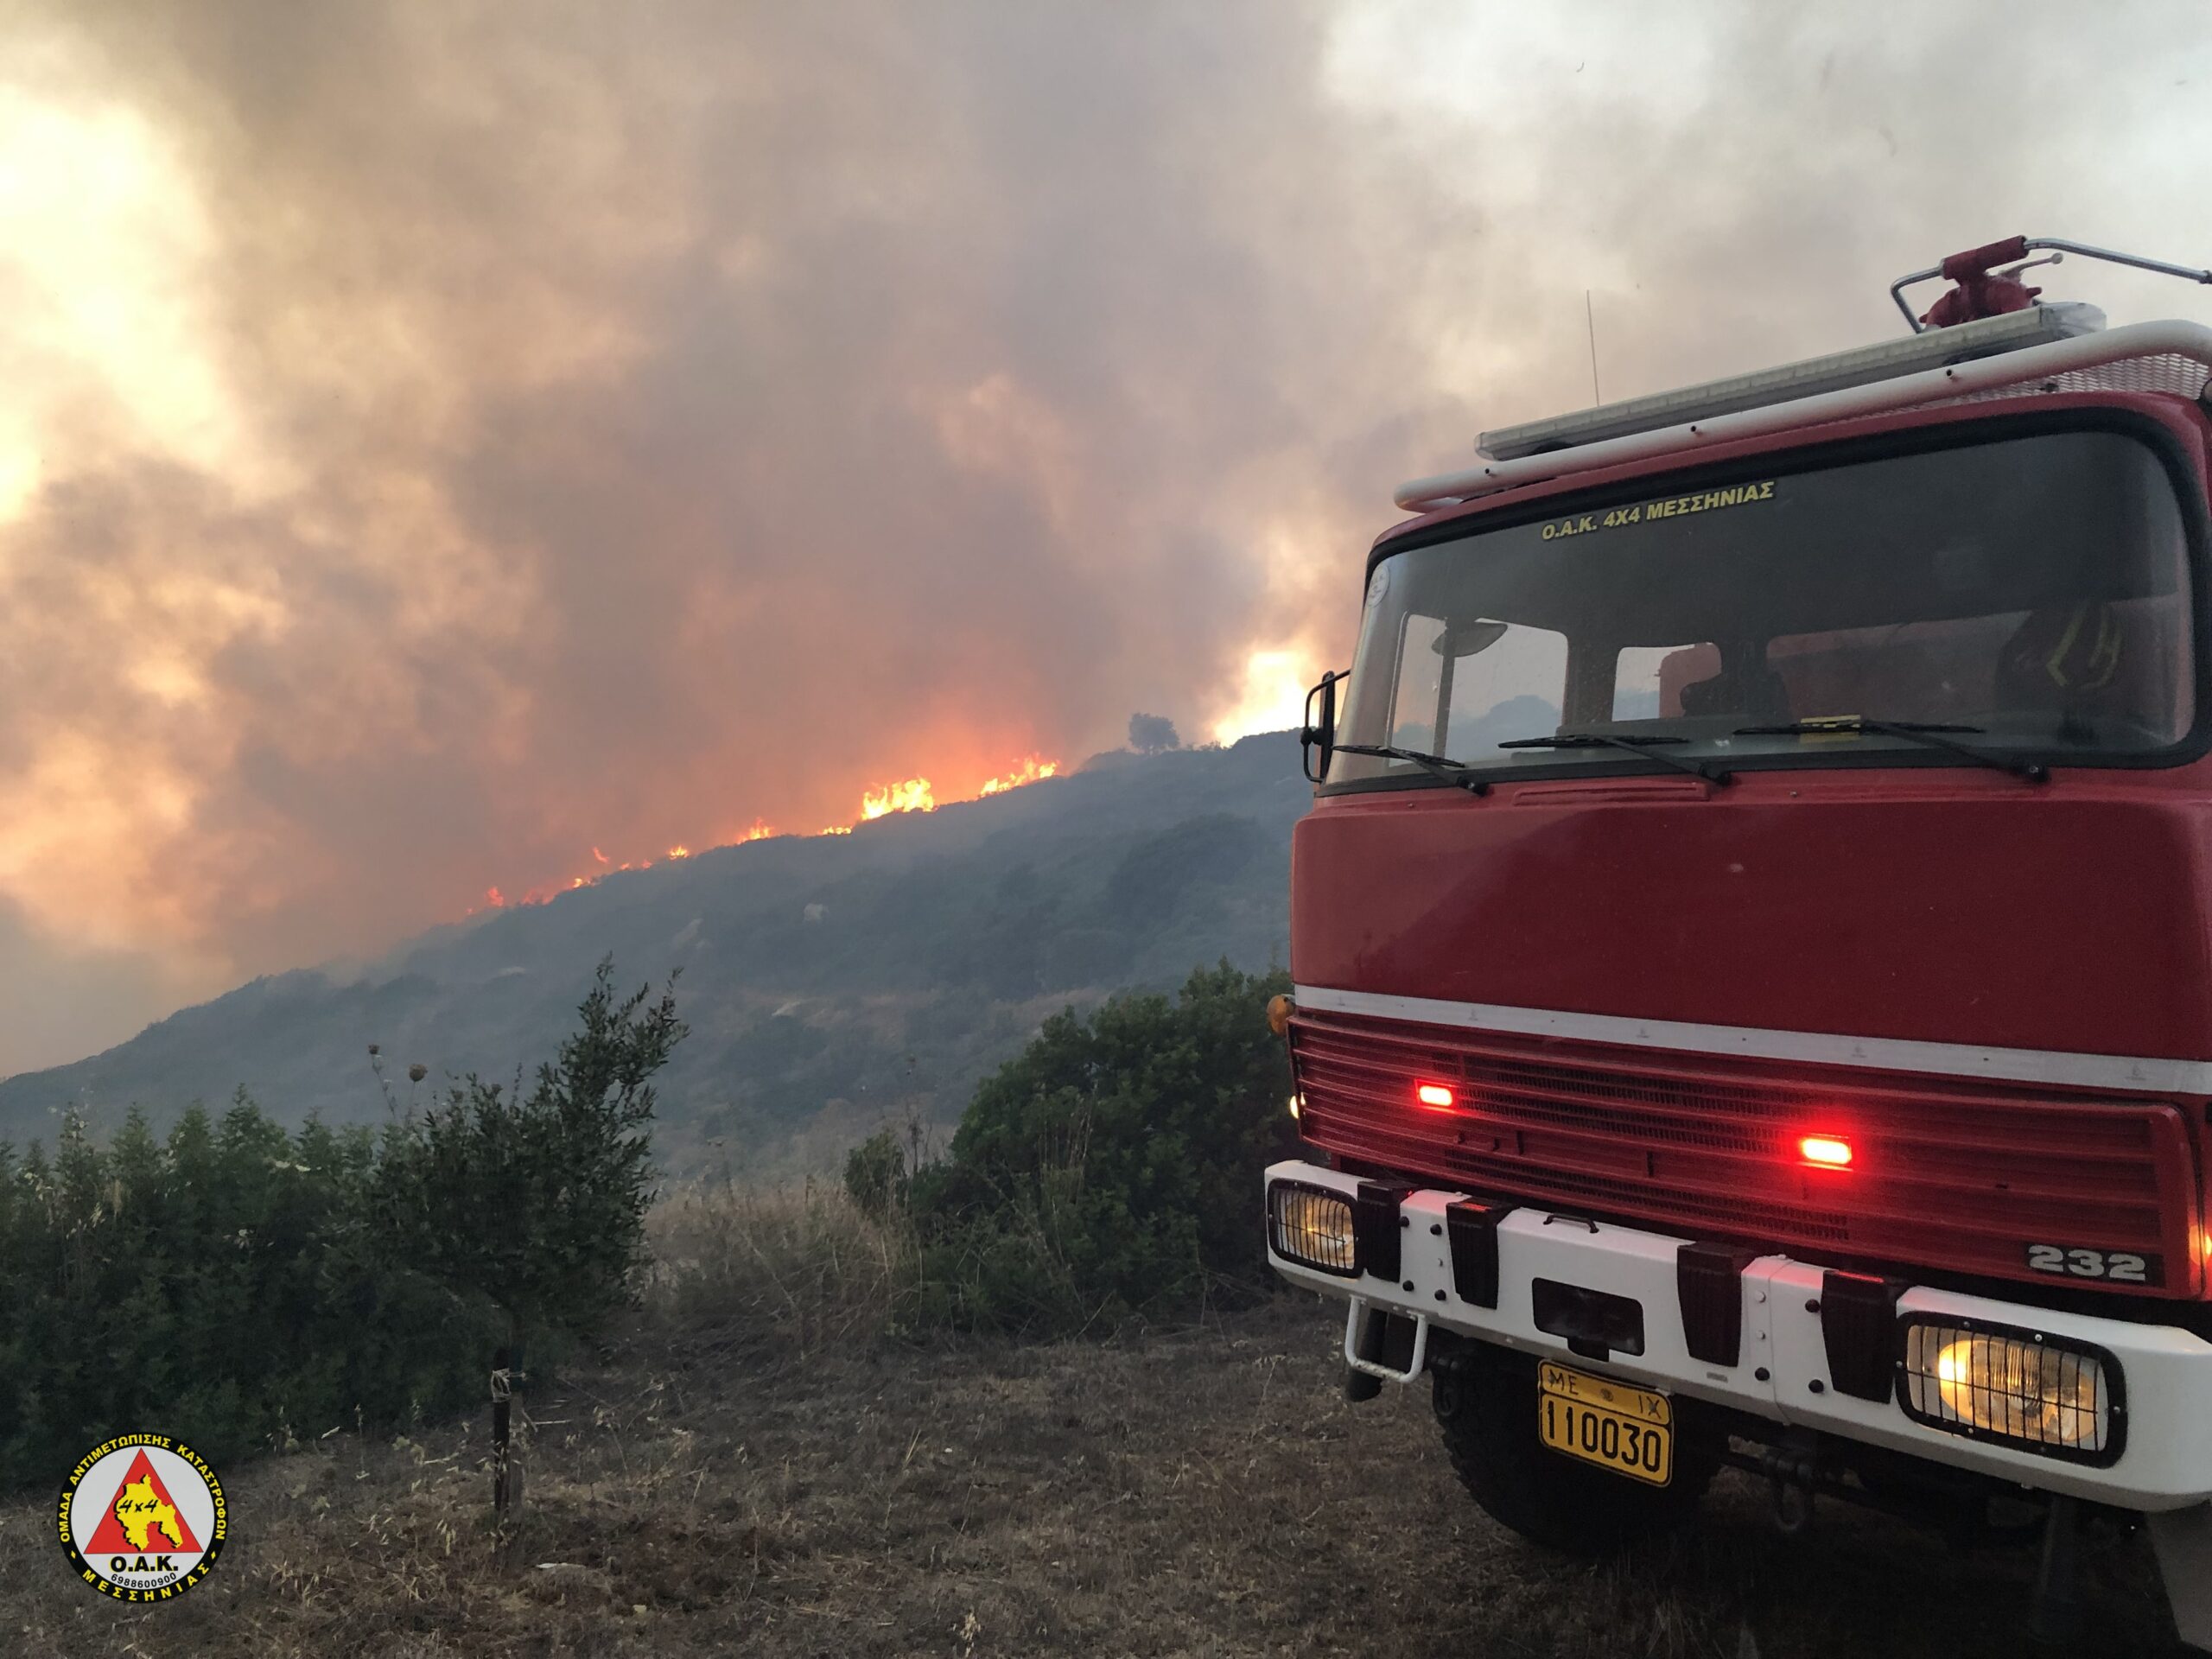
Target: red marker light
[
  {"x": 1435, "y": 1096},
  {"x": 1825, "y": 1152}
]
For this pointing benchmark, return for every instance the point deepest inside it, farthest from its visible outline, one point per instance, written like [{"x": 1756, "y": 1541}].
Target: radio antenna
[{"x": 1590, "y": 318}]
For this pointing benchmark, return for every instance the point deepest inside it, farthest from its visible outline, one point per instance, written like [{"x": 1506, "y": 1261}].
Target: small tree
[
  {"x": 538, "y": 1199},
  {"x": 1153, "y": 733}
]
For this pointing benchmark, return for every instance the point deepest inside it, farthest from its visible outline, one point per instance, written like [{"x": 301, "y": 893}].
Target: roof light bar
[
  {"x": 2039, "y": 324},
  {"x": 2188, "y": 341}
]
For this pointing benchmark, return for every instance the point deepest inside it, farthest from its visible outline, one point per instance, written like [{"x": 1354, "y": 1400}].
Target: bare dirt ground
[{"x": 1204, "y": 1490}]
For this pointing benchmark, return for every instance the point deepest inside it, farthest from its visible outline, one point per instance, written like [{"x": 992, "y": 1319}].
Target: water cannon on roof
[{"x": 1984, "y": 292}]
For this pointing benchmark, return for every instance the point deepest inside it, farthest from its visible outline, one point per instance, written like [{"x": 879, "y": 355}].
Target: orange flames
[
  {"x": 913, "y": 796},
  {"x": 1029, "y": 772},
  {"x": 910, "y": 795}
]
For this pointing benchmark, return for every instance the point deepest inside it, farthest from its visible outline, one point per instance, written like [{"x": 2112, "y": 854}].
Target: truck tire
[{"x": 1485, "y": 1400}]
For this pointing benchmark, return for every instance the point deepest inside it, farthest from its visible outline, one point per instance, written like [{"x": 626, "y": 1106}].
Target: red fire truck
[{"x": 1753, "y": 942}]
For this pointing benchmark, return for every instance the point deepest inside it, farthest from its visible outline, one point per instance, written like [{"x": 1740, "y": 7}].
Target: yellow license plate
[{"x": 1614, "y": 1425}]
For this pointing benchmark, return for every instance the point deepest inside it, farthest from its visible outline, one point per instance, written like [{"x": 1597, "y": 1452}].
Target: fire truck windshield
[{"x": 2036, "y": 589}]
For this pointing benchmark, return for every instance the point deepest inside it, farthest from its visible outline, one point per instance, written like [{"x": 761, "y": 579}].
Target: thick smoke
[{"x": 567, "y": 426}]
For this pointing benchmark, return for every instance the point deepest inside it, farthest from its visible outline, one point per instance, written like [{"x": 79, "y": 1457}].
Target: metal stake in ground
[{"x": 502, "y": 1406}]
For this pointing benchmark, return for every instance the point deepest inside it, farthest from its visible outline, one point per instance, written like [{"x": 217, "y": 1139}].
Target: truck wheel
[{"x": 1485, "y": 1400}]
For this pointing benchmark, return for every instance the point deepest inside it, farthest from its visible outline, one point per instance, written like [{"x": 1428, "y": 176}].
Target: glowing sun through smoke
[
  {"x": 1273, "y": 698},
  {"x": 102, "y": 242}
]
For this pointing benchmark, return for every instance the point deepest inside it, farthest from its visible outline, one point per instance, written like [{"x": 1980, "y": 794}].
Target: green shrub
[
  {"x": 239, "y": 1285},
  {"x": 876, "y": 1175},
  {"x": 1113, "y": 1167}
]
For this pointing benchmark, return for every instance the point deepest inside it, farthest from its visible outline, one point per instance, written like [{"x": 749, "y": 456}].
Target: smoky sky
[{"x": 602, "y": 426}]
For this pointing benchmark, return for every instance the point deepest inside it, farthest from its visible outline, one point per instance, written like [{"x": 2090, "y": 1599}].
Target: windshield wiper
[
  {"x": 1913, "y": 731},
  {"x": 1644, "y": 747},
  {"x": 1451, "y": 772}
]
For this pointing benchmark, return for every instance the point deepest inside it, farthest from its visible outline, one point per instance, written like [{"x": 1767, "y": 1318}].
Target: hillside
[{"x": 831, "y": 983}]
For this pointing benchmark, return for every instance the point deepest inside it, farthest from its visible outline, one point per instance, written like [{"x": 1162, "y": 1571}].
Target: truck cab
[{"x": 1752, "y": 943}]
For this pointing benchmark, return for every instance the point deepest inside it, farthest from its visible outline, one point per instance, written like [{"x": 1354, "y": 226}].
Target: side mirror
[
  {"x": 1320, "y": 735},
  {"x": 1469, "y": 638}
]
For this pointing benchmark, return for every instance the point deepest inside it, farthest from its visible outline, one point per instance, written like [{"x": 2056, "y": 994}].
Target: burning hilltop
[{"x": 908, "y": 795}]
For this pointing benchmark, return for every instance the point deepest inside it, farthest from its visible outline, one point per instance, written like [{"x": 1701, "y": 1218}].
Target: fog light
[
  {"x": 1313, "y": 1226},
  {"x": 2015, "y": 1387}
]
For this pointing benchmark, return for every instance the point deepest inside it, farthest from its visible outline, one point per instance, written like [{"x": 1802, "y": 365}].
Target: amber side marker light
[
  {"x": 1279, "y": 1008},
  {"x": 1435, "y": 1096},
  {"x": 1825, "y": 1152}
]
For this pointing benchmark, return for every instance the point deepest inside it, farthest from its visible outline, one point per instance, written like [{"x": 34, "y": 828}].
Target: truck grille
[{"x": 1946, "y": 1173}]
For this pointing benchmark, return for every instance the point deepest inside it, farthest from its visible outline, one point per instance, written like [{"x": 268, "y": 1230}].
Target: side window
[
  {"x": 1421, "y": 683},
  {"x": 1466, "y": 686}
]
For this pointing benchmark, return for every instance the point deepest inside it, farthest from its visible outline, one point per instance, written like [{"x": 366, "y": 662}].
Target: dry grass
[
  {"x": 795, "y": 1268},
  {"x": 754, "y": 1472}
]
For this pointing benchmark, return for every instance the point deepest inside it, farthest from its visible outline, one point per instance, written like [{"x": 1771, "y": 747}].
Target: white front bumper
[{"x": 2165, "y": 1463}]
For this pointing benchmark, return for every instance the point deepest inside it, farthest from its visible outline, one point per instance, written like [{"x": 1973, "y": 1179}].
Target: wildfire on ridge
[
  {"x": 911, "y": 795},
  {"x": 1029, "y": 772}
]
